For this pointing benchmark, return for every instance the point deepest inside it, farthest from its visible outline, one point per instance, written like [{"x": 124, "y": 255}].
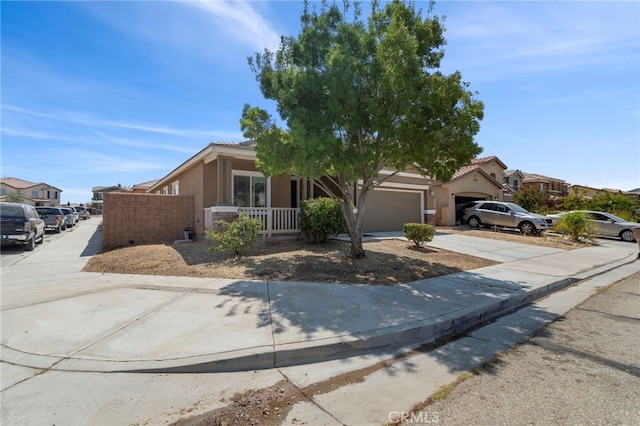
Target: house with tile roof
[
  {"x": 479, "y": 180},
  {"x": 141, "y": 188},
  {"x": 37, "y": 194},
  {"x": 553, "y": 186}
]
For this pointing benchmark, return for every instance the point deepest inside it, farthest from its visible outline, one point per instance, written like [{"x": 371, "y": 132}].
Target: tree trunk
[
  {"x": 357, "y": 250},
  {"x": 354, "y": 224}
]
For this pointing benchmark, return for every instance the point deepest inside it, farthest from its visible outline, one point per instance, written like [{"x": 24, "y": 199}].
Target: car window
[
  {"x": 598, "y": 216},
  {"x": 488, "y": 206},
  {"x": 517, "y": 208},
  {"x": 501, "y": 208},
  {"x": 11, "y": 211}
]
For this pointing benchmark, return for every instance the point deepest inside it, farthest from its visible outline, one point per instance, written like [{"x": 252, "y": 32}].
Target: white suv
[{"x": 504, "y": 215}]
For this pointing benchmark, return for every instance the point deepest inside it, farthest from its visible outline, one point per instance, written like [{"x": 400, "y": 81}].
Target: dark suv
[
  {"x": 21, "y": 224},
  {"x": 53, "y": 217}
]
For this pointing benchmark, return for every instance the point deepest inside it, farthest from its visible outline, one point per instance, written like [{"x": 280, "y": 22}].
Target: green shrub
[
  {"x": 234, "y": 237},
  {"x": 419, "y": 233},
  {"x": 575, "y": 225},
  {"x": 320, "y": 219},
  {"x": 13, "y": 197}
]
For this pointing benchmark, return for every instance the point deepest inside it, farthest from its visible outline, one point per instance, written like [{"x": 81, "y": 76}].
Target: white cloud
[
  {"x": 242, "y": 20},
  {"x": 93, "y": 122},
  {"x": 497, "y": 40}
]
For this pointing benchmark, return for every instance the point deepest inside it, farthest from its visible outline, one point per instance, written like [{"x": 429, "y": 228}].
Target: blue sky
[{"x": 101, "y": 93}]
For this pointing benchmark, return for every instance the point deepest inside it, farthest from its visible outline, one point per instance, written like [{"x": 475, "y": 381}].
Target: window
[
  {"x": 249, "y": 189},
  {"x": 3, "y": 191},
  {"x": 175, "y": 187},
  {"x": 488, "y": 206},
  {"x": 35, "y": 194}
]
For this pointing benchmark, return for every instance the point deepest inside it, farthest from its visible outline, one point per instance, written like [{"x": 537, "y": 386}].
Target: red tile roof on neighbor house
[
  {"x": 532, "y": 177},
  {"x": 465, "y": 170},
  {"x": 484, "y": 160},
  {"x": 145, "y": 185},
  {"x": 18, "y": 183},
  {"x": 23, "y": 184}
]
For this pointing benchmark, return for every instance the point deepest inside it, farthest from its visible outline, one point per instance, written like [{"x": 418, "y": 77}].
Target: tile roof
[
  {"x": 145, "y": 185},
  {"x": 18, "y": 183},
  {"x": 24, "y": 184}
]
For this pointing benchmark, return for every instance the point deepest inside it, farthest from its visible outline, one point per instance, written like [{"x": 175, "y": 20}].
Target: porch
[{"x": 275, "y": 220}]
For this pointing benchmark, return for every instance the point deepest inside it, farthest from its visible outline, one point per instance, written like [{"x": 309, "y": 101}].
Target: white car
[{"x": 605, "y": 224}]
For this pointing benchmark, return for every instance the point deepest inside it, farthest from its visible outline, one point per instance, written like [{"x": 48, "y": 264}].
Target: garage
[{"x": 389, "y": 210}]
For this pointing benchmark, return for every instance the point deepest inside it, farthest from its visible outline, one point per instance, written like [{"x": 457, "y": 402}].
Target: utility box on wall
[{"x": 133, "y": 219}]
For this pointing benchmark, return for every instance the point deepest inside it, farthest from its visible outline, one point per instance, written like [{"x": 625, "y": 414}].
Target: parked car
[
  {"x": 21, "y": 224},
  {"x": 605, "y": 224},
  {"x": 70, "y": 215},
  {"x": 83, "y": 212},
  {"x": 504, "y": 215},
  {"x": 75, "y": 213},
  {"x": 53, "y": 218}
]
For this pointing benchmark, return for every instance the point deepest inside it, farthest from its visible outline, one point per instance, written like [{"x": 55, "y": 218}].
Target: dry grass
[{"x": 388, "y": 262}]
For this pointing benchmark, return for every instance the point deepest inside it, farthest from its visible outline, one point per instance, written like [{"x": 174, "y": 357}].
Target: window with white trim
[
  {"x": 250, "y": 189},
  {"x": 175, "y": 187}
]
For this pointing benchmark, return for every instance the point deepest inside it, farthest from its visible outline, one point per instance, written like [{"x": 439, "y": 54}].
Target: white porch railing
[{"x": 275, "y": 220}]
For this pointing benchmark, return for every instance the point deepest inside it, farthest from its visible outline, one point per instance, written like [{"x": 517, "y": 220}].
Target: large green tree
[{"x": 357, "y": 96}]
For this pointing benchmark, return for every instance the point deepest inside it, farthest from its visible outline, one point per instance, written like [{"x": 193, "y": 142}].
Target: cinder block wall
[{"x": 133, "y": 219}]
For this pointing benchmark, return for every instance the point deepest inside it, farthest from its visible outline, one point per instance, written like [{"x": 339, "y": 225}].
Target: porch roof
[{"x": 242, "y": 150}]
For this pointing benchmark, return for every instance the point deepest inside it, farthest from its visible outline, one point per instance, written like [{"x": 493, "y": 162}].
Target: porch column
[{"x": 224, "y": 182}]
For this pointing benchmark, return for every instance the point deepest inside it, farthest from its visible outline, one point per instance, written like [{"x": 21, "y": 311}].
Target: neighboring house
[
  {"x": 555, "y": 187},
  {"x": 97, "y": 198},
  {"x": 513, "y": 179},
  {"x": 37, "y": 194},
  {"x": 480, "y": 180},
  {"x": 141, "y": 188},
  {"x": 224, "y": 181},
  {"x": 634, "y": 193}
]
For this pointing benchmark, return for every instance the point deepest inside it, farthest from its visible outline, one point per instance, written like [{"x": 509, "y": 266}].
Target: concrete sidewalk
[{"x": 55, "y": 317}]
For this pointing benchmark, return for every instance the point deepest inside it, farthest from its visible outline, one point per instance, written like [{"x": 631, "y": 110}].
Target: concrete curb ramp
[{"x": 126, "y": 323}]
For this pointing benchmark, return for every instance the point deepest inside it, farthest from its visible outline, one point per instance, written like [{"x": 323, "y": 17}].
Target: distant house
[
  {"x": 553, "y": 186},
  {"x": 634, "y": 193},
  {"x": 513, "y": 179},
  {"x": 37, "y": 194},
  {"x": 141, "y": 188},
  {"x": 97, "y": 198},
  {"x": 480, "y": 180}
]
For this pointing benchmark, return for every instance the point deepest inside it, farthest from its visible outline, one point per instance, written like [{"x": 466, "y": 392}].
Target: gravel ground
[{"x": 583, "y": 369}]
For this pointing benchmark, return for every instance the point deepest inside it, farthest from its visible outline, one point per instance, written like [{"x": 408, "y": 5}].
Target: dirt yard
[{"x": 388, "y": 262}]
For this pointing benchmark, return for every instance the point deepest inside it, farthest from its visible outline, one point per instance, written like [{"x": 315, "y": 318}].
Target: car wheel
[
  {"x": 627, "y": 235},
  {"x": 31, "y": 244},
  {"x": 527, "y": 228},
  {"x": 58, "y": 229},
  {"x": 41, "y": 240},
  {"x": 474, "y": 222}
]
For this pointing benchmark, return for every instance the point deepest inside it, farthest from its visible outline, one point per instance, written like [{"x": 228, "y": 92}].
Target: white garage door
[{"x": 390, "y": 210}]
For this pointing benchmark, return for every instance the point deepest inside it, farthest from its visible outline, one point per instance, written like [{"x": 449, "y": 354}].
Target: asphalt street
[{"x": 582, "y": 369}]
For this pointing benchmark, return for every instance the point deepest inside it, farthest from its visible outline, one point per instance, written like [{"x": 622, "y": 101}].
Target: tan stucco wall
[
  {"x": 281, "y": 191},
  {"x": 493, "y": 169},
  {"x": 473, "y": 185}
]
